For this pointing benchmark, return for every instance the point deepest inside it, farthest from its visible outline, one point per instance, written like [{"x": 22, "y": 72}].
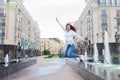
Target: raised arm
[{"x": 60, "y": 25}]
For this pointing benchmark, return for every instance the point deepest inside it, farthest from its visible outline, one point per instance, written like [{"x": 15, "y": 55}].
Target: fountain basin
[
  {"x": 107, "y": 72},
  {"x": 95, "y": 71},
  {"x": 15, "y": 67},
  {"x": 82, "y": 71}
]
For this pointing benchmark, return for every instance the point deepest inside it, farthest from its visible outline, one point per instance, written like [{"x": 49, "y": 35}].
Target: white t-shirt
[{"x": 69, "y": 37}]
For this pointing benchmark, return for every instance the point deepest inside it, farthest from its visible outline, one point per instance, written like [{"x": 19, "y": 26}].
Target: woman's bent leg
[
  {"x": 70, "y": 52},
  {"x": 65, "y": 53}
]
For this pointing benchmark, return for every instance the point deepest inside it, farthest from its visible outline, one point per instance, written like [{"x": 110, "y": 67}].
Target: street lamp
[
  {"x": 117, "y": 38},
  {"x": 97, "y": 37},
  {"x": 19, "y": 51}
]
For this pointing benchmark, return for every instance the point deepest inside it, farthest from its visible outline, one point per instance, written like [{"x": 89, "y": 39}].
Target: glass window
[
  {"x": 28, "y": 22},
  {"x": 2, "y": 12},
  {"x": 1, "y": 41},
  {"x": 2, "y": 22},
  {"x": 102, "y": 2},
  {"x": 104, "y": 22},
  {"x": 1, "y": 32},
  {"x": 118, "y": 22},
  {"x": 18, "y": 28},
  {"x": 103, "y": 13},
  {"x": 3, "y": 1},
  {"x": 108, "y": 2},
  {"x": 118, "y": 2},
  {"x": 113, "y": 2},
  {"x": 18, "y": 20},
  {"x": 118, "y": 13}
]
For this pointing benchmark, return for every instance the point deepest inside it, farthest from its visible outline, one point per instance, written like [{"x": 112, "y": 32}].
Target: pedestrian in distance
[{"x": 70, "y": 34}]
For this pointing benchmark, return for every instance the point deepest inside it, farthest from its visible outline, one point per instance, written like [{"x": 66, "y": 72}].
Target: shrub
[{"x": 46, "y": 52}]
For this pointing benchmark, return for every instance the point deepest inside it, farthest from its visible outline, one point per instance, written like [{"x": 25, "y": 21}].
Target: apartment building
[
  {"x": 98, "y": 16},
  {"x": 54, "y": 45},
  {"x": 18, "y": 31}
]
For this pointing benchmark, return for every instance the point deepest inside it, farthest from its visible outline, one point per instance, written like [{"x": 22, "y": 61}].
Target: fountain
[
  {"x": 106, "y": 49},
  {"x": 100, "y": 71},
  {"x": 95, "y": 53},
  {"x": 96, "y": 70},
  {"x": 85, "y": 56},
  {"x": 6, "y": 60},
  {"x": 100, "y": 68}
]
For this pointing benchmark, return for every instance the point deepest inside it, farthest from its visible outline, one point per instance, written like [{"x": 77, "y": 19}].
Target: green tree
[{"x": 46, "y": 52}]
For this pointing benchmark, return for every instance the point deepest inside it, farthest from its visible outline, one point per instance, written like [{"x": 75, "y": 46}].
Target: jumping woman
[{"x": 70, "y": 33}]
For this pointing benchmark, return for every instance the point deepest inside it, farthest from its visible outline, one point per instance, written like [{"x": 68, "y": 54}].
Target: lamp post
[
  {"x": 97, "y": 37},
  {"x": 19, "y": 51},
  {"x": 116, "y": 38}
]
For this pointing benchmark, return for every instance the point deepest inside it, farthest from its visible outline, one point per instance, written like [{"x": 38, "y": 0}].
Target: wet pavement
[{"x": 46, "y": 69}]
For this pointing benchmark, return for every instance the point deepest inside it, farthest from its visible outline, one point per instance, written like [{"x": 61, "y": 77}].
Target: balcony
[
  {"x": 104, "y": 24},
  {"x": 103, "y": 15},
  {"x": 117, "y": 17},
  {"x": 108, "y": 4}
]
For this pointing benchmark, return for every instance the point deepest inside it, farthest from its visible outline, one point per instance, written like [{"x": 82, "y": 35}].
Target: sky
[{"x": 46, "y": 11}]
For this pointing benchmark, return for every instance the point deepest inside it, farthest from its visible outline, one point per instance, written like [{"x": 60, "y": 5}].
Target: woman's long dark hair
[{"x": 71, "y": 27}]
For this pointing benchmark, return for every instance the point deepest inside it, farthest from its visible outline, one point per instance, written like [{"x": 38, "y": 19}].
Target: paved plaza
[{"x": 46, "y": 69}]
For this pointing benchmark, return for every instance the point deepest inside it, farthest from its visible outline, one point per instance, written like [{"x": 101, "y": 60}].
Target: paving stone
[{"x": 46, "y": 69}]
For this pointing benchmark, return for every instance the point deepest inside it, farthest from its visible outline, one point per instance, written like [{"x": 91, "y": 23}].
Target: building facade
[
  {"x": 18, "y": 31},
  {"x": 98, "y": 16},
  {"x": 54, "y": 45}
]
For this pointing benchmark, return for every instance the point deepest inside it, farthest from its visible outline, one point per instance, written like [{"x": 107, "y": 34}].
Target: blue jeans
[{"x": 69, "y": 52}]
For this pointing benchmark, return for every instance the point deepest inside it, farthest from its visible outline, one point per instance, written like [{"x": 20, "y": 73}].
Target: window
[
  {"x": 102, "y": 2},
  {"x": 3, "y": 1},
  {"x": 89, "y": 12},
  {"x": 2, "y": 12},
  {"x": 1, "y": 32},
  {"x": 103, "y": 13},
  {"x": 118, "y": 22},
  {"x": 28, "y": 22},
  {"x": 118, "y": 13},
  {"x": 2, "y": 22},
  {"x": 109, "y": 2},
  {"x": 118, "y": 2},
  {"x": 18, "y": 20},
  {"x": 113, "y": 2},
  {"x": 104, "y": 22},
  {"x": 1, "y": 40},
  {"x": 18, "y": 28}
]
